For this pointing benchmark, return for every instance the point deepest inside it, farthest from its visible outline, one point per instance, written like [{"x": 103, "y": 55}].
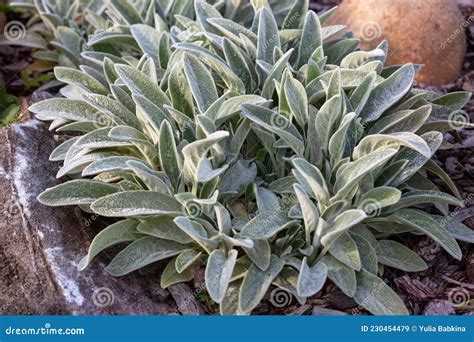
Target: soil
[{"x": 432, "y": 292}]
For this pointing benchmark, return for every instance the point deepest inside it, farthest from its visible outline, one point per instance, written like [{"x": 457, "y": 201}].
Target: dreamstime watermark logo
[
  {"x": 287, "y": 202},
  {"x": 47, "y": 329},
  {"x": 102, "y": 297},
  {"x": 16, "y": 296},
  {"x": 88, "y": 221},
  {"x": 459, "y": 297},
  {"x": 458, "y": 119},
  {"x": 9, "y": 209},
  {"x": 370, "y": 30},
  {"x": 445, "y": 220},
  {"x": 100, "y": 120},
  {"x": 466, "y": 22},
  {"x": 14, "y": 30},
  {"x": 371, "y": 207},
  {"x": 279, "y": 121},
  {"x": 193, "y": 208},
  {"x": 280, "y": 298}
]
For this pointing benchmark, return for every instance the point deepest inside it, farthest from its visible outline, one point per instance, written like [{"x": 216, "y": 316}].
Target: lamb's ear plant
[
  {"x": 56, "y": 29},
  {"x": 262, "y": 151}
]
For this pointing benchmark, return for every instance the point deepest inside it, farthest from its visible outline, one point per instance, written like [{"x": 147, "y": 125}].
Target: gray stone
[{"x": 41, "y": 246}]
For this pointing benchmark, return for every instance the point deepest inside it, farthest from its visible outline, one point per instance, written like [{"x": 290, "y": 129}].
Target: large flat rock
[{"x": 41, "y": 246}]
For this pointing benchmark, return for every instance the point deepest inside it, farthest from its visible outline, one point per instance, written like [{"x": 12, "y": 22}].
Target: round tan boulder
[{"x": 429, "y": 32}]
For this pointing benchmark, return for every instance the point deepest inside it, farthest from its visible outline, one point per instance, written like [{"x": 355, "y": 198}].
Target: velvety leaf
[
  {"x": 388, "y": 92},
  {"x": 170, "y": 160},
  {"x": 74, "y": 192},
  {"x": 274, "y": 74},
  {"x": 374, "y": 200},
  {"x": 171, "y": 276},
  {"x": 325, "y": 119},
  {"x": 59, "y": 153},
  {"x": 295, "y": 17},
  {"x": 133, "y": 203},
  {"x": 394, "y": 254},
  {"x": 149, "y": 177},
  {"x": 343, "y": 276},
  {"x": 142, "y": 252},
  {"x": 268, "y": 37},
  {"x": 367, "y": 254},
  {"x": 260, "y": 253},
  {"x": 264, "y": 226},
  {"x": 233, "y": 30},
  {"x": 457, "y": 229},
  {"x": 197, "y": 232},
  {"x": 113, "y": 109},
  {"x": 80, "y": 79},
  {"x": 297, "y": 100},
  {"x": 148, "y": 38},
  {"x": 311, "y": 278},
  {"x": 230, "y": 303},
  {"x": 256, "y": 283},
  {"x": 200, "y": 81},
  {"x": 275, "y": 123},
  {"x": 429, "y": 226},
  {"x": 238, "y": 64},
  {"x": 163, "y": 227},
  {"x": 267, "y": 201},
  {"x": 455, "y": 100},
  {"x": 74, "y": 110},
  {"x": 375, "y": 142},
  {"x": 186, "y": 258},
  {"x": 311, "y": 178},
  {"x": 416, "y": 197},
  {"x": 282, "y": 185},
  {"x": 237, "y": 177},
  {"x": 142, "y": 85},
  {"x": 179, "y": 91},
  {"x": 311, "y": 38},
  {"x": 342, "y": 223},
  {"x": 355, "y": 171},
  {"x": 309, "y": 210},
  {"x": 405, "y": 120},
  {"x": 114, "y": 163},
  {"x": 127, "y": 11},
  {"x": 195, "y": 151},
  {"x": 346, "y": 251},
  {"x": 374, "y": 295},
  {"x": 216, "y": 63},
  {"x": 218, "y": 272},
  {"x": 338, "y": 140},
  {"x": 116, "y": 233},
  {"x": 361, "y": 93}
]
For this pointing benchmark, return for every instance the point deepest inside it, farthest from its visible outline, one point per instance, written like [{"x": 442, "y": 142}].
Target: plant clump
[{"x": 239, "y": 138}]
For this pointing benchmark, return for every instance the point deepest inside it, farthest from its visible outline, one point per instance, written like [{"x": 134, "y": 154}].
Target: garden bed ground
[{"x": 431, "y": 292}]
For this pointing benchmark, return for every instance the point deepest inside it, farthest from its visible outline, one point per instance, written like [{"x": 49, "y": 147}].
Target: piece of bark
[
  {"x": 185, "y": 299},
  {"x": 327, "y": 312},
  {"x": 299, "y": 311},
  {"x": 454, "y": 168},
  {"x": 340, "y": 301},
  {"x": 470, "y": 268},
  {"x": 414, "y": 288},
  {"x": 41, "y": 246},
  {"x": 439, "y": 308}
]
